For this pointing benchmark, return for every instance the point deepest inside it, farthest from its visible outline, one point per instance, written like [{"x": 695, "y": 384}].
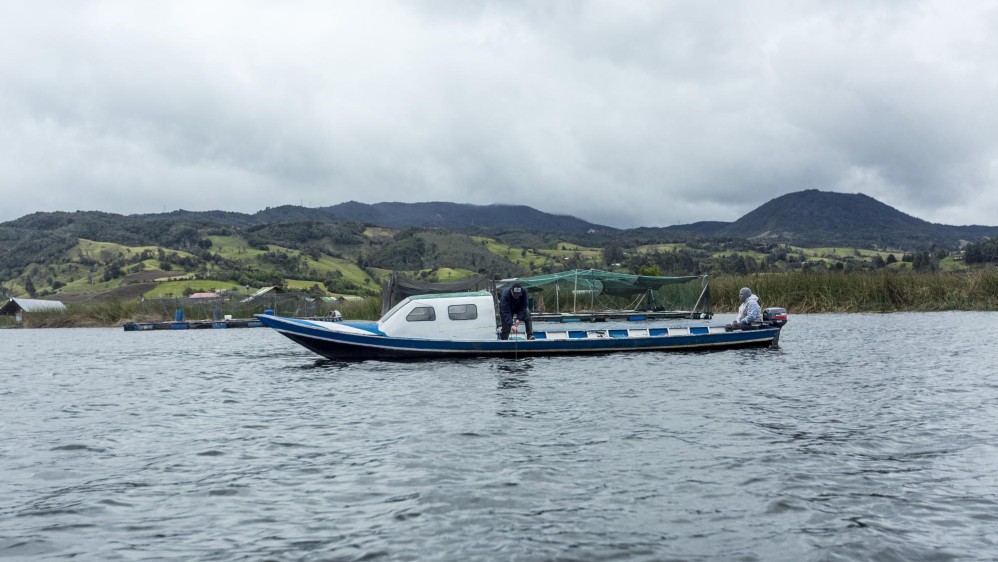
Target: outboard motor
[{"x": 775, "y": 315}]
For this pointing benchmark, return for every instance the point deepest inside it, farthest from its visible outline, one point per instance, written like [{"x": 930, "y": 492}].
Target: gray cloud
[{"x": 624, "y": 113}]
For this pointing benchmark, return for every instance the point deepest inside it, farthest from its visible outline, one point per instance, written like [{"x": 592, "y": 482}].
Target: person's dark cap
[{"x": 517, "y": 290}]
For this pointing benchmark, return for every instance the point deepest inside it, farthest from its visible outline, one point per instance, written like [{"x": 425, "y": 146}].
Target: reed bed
[
  {"x": 884, "y": 291},
  {"x": 367, "y": 309},
  {"x": 97, "y": 314}
]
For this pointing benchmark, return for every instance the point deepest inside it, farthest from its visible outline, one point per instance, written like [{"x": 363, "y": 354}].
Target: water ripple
[{"x": 864, "y": 437}]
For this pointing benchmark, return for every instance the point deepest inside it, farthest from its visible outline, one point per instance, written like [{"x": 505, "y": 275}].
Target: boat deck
[
  {"x": 615, "y": 315},
  {"x": 628, "y": 332}
]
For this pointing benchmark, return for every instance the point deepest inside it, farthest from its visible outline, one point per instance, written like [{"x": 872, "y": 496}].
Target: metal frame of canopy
[{"x": 597, "y": 284}]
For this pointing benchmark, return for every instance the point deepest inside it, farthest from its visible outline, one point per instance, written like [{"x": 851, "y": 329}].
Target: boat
[
  {"x": 193, "y": 325},
  {"x": 465, "y": 325}
]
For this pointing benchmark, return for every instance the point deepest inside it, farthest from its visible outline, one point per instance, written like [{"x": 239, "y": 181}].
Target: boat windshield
[{"x": 394, "y": 309}]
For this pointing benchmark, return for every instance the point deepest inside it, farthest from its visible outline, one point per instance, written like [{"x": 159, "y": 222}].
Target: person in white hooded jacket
[{"x": 748, "y": 311}]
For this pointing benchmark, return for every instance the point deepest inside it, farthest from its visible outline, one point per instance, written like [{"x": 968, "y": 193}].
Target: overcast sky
[{"x": 643, "y": 113}]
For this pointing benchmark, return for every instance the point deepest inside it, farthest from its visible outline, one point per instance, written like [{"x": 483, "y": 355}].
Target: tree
[
  {"x": 985, "y": 251},
  {"x": 612, "y": 254},
  {"x": 922, "y": 261},
  {"x": 739, "y": 264},
  {"x": 29, "y": 287},
  {"x": 112, "y": 271}
]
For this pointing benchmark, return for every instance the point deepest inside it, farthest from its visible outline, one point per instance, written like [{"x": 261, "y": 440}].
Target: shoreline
[
  {"x": 78, "y": 322},
  {"x": 799, "y": 292}
]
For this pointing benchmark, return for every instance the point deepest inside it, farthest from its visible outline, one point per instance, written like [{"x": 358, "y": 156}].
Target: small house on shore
[{"x": 18, "y": 307}]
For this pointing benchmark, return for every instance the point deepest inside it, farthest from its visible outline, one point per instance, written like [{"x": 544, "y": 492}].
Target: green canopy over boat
[{"x": 594, "y": 289}]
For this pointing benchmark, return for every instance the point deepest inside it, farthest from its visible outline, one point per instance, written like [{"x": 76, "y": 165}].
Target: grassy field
[
  {"x": 233, "y": 247},
  {"x": 170, "y": 289},
  {"x": 838, "y": 252},
  {"x": 439, "y": 275},
  {"x": 520, "y": 256},
  {"x": 95, "y": 250},
  {"x": 348, "y": 269},
  {"x": 538, "y": 256},
  {"x": 671, "y": 247}
]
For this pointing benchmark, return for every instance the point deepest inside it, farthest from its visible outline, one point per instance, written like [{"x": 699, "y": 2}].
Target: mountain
[
  {"x": 804, "y": 218},
  {"x": 815, "y": 218},
  {"x": 453, "y": 216},
  {"x": 457, "y": 216}
]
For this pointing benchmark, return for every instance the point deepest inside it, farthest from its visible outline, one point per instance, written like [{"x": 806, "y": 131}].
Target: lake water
[{"x": 863, "y": 437}]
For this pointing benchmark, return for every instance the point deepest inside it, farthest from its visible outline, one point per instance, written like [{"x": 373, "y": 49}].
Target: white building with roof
[{"x": 18, "y": 307}]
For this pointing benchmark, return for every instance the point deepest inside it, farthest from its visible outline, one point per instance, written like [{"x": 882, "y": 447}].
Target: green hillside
[{"x": 100, "y": 256}]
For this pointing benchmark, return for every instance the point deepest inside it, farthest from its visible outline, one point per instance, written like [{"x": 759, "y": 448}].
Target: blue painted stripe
[{"x": 371, "y": 327}]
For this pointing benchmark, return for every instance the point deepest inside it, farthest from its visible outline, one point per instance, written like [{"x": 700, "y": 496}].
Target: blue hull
[{"x": 336, "y": 345}]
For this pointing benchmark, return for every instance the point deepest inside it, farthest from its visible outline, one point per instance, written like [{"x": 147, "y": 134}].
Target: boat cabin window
[
  {"x": 421, "y": 314},
  {"x": 462, "y": 312}
]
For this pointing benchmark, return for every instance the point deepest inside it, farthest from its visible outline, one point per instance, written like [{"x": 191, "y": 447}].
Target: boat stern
[{"x": 775, "y": 315}]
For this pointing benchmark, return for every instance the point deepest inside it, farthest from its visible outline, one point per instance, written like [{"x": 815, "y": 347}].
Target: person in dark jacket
[{"x": 514, "y": 308}]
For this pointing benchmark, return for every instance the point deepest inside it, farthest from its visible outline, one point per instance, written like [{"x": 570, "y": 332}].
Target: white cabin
[{"x": 448, "y": 316}]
